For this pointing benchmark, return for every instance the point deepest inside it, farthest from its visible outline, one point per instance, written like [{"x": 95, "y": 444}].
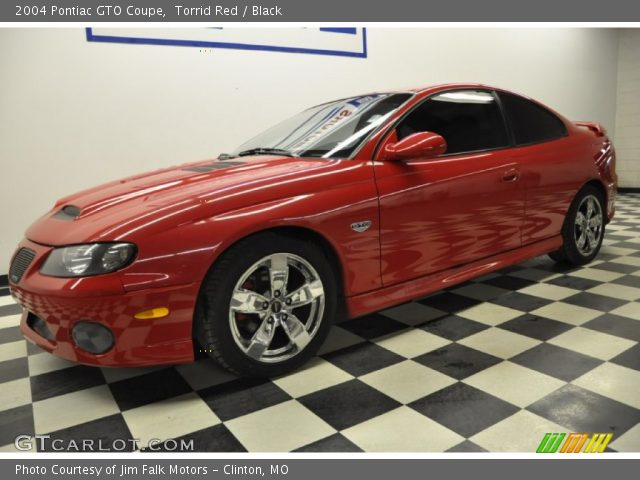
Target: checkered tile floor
[{"x": 492, "y": 364}]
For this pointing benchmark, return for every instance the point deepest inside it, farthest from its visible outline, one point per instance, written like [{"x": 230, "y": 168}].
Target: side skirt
[{"x": 386, "y": 297}]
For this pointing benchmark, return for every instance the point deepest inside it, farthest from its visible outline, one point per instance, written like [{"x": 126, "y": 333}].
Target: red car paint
[{"x": 434, "y": 223}]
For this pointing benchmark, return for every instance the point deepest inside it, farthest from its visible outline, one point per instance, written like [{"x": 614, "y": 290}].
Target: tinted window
[
  {"x": 468, "y": 120},
  {"x": 530, "y": 122}
]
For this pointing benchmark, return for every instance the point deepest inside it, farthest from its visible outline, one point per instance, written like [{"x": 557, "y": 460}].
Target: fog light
[{"x": 92, "y": 337}]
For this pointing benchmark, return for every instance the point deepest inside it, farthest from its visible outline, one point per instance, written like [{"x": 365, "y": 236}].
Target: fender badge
[{"x": 361, "y": 226}]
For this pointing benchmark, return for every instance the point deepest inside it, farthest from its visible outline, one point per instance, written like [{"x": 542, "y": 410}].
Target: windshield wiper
[{"x": 266, "y": 151}]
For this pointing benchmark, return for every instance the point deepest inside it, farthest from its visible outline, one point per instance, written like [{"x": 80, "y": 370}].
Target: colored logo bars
[{"x": 574, "y": 442}]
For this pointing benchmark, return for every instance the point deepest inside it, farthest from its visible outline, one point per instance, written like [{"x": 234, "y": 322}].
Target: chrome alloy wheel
[
  {"x": 588, "y": 225},
  {"x": 276, "y": 307}
]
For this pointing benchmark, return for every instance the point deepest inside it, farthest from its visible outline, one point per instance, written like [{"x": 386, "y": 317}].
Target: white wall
[
  {"x": 74, "y": 114},
  {"x": 627, "y": 136}
]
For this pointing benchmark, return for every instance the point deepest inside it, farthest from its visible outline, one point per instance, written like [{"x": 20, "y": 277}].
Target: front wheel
[
  {"x": 583, "y": 228},
  {"x": 266, "y": 306}
]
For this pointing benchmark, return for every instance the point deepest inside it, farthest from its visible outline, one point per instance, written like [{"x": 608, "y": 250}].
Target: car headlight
[{"x": 89, "y": 259}]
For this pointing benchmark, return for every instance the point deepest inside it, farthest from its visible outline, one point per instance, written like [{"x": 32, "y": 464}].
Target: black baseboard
[
  {"x": 4, "y": 281},
  {"x": 629, "y": 190}
]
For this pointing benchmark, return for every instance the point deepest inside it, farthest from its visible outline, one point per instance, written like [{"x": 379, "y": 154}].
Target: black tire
[
  {"x": 213, "y": 328},
  {"x": 570, "y": 252}
]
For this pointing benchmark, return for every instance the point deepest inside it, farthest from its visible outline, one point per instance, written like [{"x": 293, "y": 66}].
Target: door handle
[{"x": 512, "y": 175}]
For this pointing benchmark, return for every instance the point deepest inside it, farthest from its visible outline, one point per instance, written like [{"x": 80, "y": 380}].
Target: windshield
[{"x": 334, "y": 129}]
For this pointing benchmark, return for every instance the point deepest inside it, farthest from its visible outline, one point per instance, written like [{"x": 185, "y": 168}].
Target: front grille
[{"x": 20, "y": 263}]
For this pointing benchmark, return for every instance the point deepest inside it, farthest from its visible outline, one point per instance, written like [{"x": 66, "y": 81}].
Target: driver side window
[{"x": 469, "y": 121}]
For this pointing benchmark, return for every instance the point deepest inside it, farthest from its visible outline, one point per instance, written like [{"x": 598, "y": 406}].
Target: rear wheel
[
  {"x": 583, "y": 228},
  {"x": 266, "y": 306}
]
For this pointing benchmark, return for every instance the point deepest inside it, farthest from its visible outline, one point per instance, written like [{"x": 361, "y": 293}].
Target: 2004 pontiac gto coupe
[{"x": 344, "y": 209}]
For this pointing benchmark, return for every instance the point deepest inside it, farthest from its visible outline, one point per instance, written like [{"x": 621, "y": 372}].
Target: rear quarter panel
[{"x": 553, "y": 172}]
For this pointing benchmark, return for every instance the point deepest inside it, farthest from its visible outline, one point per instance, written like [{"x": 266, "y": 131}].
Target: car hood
[{"x": 120, "y": 209}]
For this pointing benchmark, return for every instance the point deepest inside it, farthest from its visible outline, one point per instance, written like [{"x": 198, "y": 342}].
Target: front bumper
[{"x": 62, "y": 302}]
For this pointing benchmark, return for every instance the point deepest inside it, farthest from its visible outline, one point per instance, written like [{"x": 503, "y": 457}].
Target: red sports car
[{"x": 346, "y": 208}]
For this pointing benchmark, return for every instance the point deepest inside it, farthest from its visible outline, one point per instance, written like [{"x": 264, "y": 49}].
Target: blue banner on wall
[{"x": 342, "y": 42}]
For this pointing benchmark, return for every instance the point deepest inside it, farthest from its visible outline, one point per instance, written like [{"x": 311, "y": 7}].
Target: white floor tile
[
  {"x": 315, "y": 375},
  {"x": 411, "y": 343},
  {"x": 613, "y": 381},
  {"x": 170, "y": 418},
  {"x": 73, "y": 408},
  {"x": 590, "y": 342},
  {"x": 281, "y": 428},
  {"x": 500, "y": 343},
  {"x": 521, "y": 432},
  {"x": 407, "y": 381},
  {"x": 402, "y": 430},
  {"x": 514, "y": 383}
]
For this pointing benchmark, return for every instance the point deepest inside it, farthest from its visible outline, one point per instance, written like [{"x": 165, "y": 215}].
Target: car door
[{"x": 464, "y": 205}]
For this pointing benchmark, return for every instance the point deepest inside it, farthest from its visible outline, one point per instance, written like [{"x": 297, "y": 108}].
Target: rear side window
[
  {"x": 530, "y": 122},
  {"x": 468, "y": 120}
]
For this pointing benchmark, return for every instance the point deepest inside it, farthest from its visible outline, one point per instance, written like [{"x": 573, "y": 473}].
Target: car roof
[{"x": 446, "y": 86}]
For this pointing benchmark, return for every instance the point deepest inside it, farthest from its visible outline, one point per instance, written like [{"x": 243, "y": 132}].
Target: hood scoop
[
  {"x": 213, "y": 166},
  {"x": 68, "y": 212}
]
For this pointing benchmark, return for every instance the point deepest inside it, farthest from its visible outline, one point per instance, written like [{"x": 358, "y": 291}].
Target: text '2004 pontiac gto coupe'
[{"x": 344, "y": 209}]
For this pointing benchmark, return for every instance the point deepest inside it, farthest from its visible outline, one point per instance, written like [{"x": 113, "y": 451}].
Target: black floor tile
[
  {"x": 413, "y": 313},
  {"x": 629, "y": 358},
  {"x": 148, "y": 388},
  {"x": 12, "y": 309},
  {"x": 616, "y": 325},
  {"x": 595, "y": 301},
  {"x": 33, "y": 349},
  {"x": 14, "y": 369},
  {"x": 348, "y": 404},
  {"x": 628, "y": 280},
  {"x": 580, "y": 410},
  {"x": 464, "y": 409},
  {"x": 457, "y": 361},
  {"x": 449, "y": 302},
  {"x": 536, "y": 327},
  {"x": 629, "y": 245},
  {"x": 616, "y": 267},
  {"x": 14, "y": 422},
  {"x": 576, "y": 283},
  {"x": 466, "y": 446},
  {"x": 333, "y": 443},
  {"x": 521, "y": 301},
  {"x": 373, "y": 326},
  {"x": 606, "y": 257},
  {"x": 242, "y": 396},
  {"x": 453, "y": 327},
  {"x": 509, "y": 283},
  {"x": 363, "y": 358},
  {"x": 557, "y": 362},
  {"x": 11, "y": 334},
  {"x": 4, "y": 292},
  {"x": 213, "y": 439},
  {"x": 105, "y": 434},
  {"x": 67, "y": 380},
  {"x": 557, "y": 267}
]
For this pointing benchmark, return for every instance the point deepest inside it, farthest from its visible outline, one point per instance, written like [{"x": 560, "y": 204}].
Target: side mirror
[{"x": 416, "y": 145}]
